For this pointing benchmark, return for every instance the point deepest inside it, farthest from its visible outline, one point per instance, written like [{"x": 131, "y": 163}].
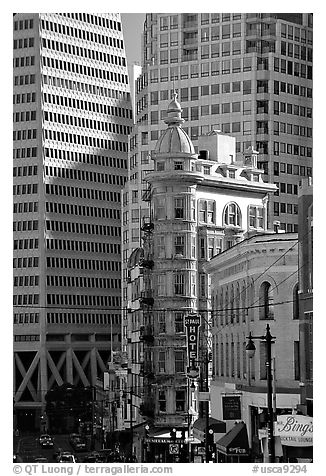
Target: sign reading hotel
[
  {"x": 294, "y": 430},
  {"x": 192, "y": 323}
]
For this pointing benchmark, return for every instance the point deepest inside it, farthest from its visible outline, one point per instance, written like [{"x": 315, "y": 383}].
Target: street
[{"x": 28, "y": 448}]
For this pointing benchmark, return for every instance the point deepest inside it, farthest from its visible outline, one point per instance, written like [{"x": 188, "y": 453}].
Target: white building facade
[
  {"x": 199, "y": 205},
  {"x": 254, "y": 284}
]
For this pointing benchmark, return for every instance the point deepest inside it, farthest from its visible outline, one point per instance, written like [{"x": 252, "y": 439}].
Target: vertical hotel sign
[{"x": 192, "y": 323}]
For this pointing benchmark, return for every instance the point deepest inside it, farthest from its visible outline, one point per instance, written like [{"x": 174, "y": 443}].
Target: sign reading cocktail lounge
[{"x": 294, "y": 430}]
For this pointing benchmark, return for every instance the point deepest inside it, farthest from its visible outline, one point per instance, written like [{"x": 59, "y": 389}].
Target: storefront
[
  {"x": 293, "y": 439},
  {"x": 159, "y": 447},
  {"x": 233, "y": 447},
  {"x": 296, "y": 436}
]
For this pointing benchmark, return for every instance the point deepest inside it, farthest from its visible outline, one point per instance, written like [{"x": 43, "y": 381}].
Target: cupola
[{"x": 174, "y": 139}]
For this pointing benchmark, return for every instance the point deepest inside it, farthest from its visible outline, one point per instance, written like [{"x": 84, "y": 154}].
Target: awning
[
  {"x": 216, "y": 425},
  {"x": 199, "y": 427},
  {"x": 234, "y": 442},
  {"x": 164, "y": 436}
]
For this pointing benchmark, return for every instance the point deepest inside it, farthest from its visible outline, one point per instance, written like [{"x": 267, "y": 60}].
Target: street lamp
[{"x": 250, "y": 349}]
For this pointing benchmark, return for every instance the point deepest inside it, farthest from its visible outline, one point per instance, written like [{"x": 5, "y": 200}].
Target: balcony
[
  {"x": 146, "y": 408},
  {"x": 146, "y": 370},
  {"x": 146, "y": 298},
  {"x": 147, "y": 194},
  {"x": 147, "y": 225},
  {"x": 146, "y": 335},
  {"x": 146, "y": 263}
]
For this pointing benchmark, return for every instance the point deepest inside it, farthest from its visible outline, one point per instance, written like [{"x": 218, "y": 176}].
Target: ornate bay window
[
  {"x": 179, "y": 284},
  {"x": 179, "y": 245},
  {"x": 179, "y": 207}
]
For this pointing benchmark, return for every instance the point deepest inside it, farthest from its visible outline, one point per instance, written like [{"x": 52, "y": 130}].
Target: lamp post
[{"x": 250, "y": 349}]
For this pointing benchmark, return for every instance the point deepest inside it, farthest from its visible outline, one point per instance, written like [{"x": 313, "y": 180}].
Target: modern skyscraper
[
  {"x": 249, "y": 75},
  {"x": 246, "y": 74},
  {"x": 72, "y": 116}
]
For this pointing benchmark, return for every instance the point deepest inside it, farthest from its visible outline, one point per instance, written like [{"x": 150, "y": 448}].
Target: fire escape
[{"x": 146, "y": 301}]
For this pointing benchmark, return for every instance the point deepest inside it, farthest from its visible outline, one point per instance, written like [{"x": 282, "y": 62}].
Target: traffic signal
[
  {"x": 210, "y": 437},
  {"x": 173, "y": 434}
]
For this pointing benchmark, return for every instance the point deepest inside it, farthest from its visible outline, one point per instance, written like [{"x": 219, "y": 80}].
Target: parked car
[
  {"x": 46, "y": 441},
  {"x": 66, "y": 457},
  {"x": 110, "y": 456},
  {"x": 90, "y": 458},
  {"x": 78, "y": 443},
  {"x": 40, "y": 459}
]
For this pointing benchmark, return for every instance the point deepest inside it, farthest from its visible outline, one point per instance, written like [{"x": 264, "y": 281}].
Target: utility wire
[{"x": 161, "y": 309}]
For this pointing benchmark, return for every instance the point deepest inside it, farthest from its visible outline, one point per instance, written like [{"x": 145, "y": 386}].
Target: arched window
[
  {"x": 266, "y": 308},
  {"x": 232, "y": 215},
  {"x": 295, "y": 309}
]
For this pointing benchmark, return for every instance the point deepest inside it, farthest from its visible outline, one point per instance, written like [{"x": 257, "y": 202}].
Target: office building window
[
  {"x": 174, "y": 56},
  {"x": 235, "y": 127},
  {"x": 247, "y": 87},
  {"x": 164, "y": 25},
  {"x": 194, "y": 93},
  {"x": 174, "y": 22},
  {"x": 215, "y": 68},
  {"x": 246, "y": 127}
]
